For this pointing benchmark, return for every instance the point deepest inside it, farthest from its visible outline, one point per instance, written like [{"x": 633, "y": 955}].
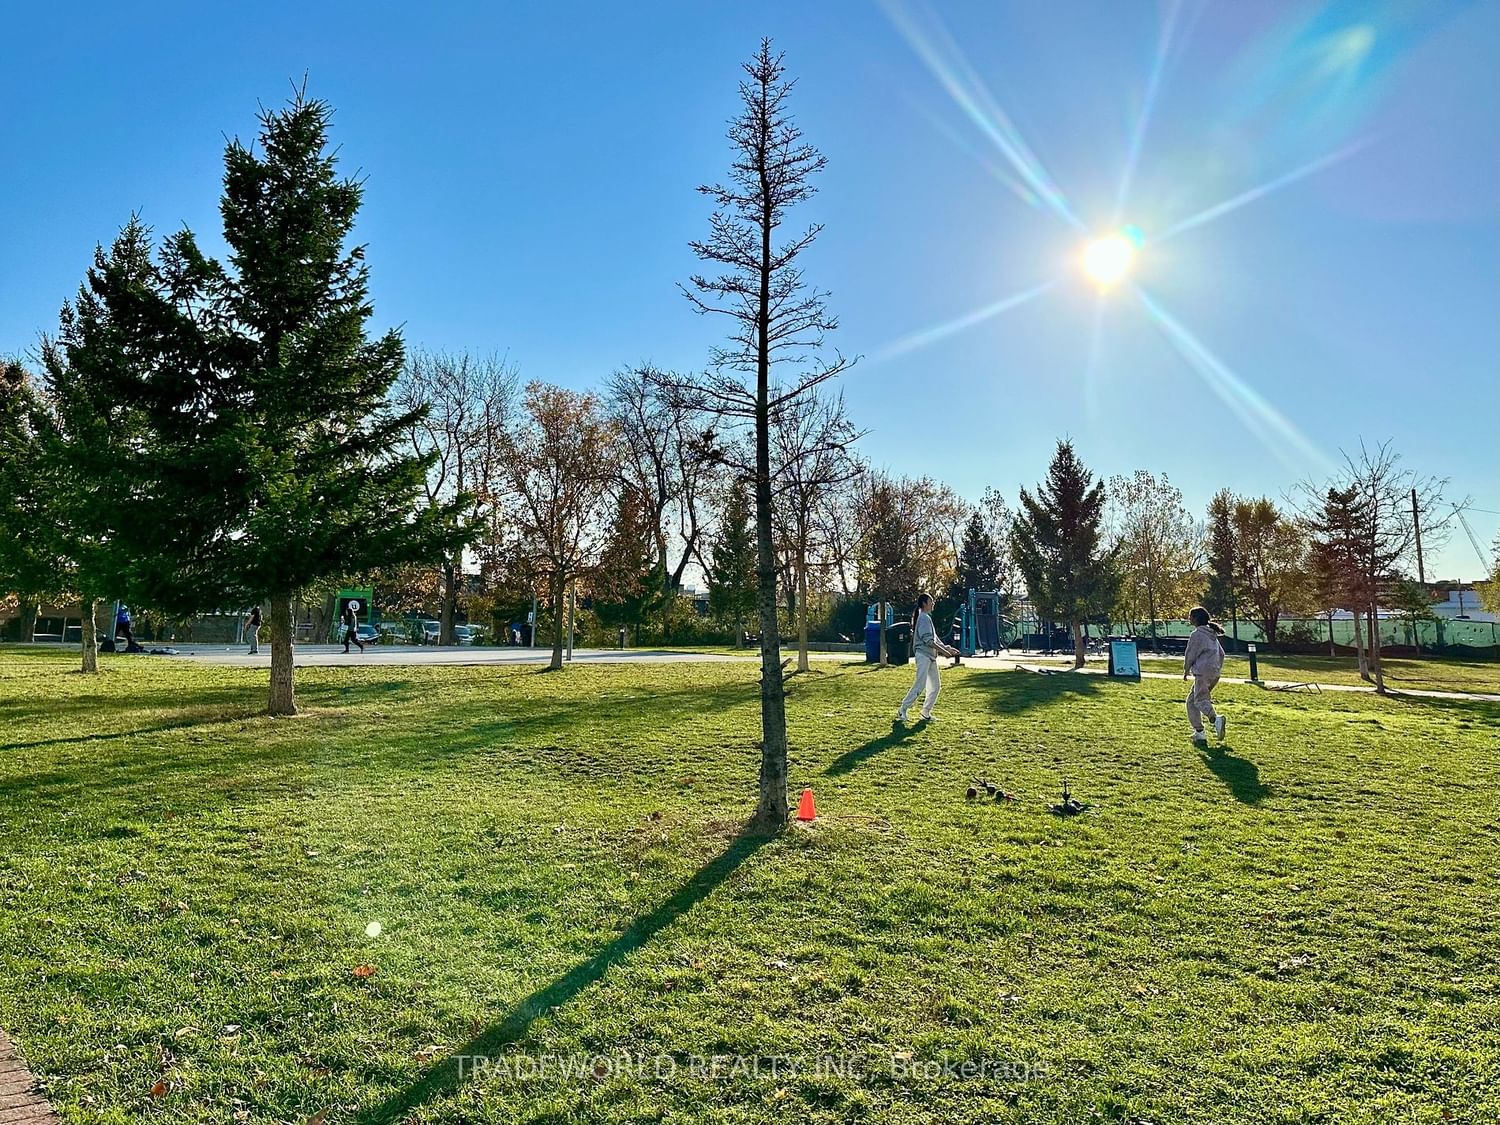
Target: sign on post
[{"x": 1124, "y": 659}]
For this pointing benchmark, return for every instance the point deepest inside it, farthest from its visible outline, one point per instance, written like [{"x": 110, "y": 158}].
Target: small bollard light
[{"x": 1254, "y": 671}]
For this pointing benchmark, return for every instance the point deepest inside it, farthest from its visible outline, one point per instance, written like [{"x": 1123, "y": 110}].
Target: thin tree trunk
[
  {"x": 1375, "y": 648},
  {"x": 88, "y": 637},
  {"x": 880, "y": 609},
  {"x": 283, "y": 699},
  {"x": 450, "y": 602},
  {"x": 802, "y": 615},
  {"x": 558, "y": 624},
  {"x": 771, "y": 807},
  {"x": 1078, "y": 647},
  {"x": 1359, "y": 643},
  {"x": 30, "y": 608}
]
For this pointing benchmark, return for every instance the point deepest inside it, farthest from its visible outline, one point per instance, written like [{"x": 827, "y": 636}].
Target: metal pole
[
  {"x": 531, "y": 630},
  {"x": 572, "y": 606},
  {"x": 1416, "y": 524}
]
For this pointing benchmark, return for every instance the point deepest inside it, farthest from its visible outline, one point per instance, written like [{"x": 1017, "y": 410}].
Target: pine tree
[
  {"x": 628, "y": 585},
  {"x": 732, "y": 589},
  {"x": 261, "y": 454},
  {"x": 1219, "y": 597},
  {"x": 978, "y": 565},
  {"x": 29, "y": 564},
  {"x": 1058, "y": 546}
]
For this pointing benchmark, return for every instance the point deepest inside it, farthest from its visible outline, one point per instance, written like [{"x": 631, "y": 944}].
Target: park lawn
[
  {"x": 1296, "y": 927},
  {"x": 1425, "y": 674}
]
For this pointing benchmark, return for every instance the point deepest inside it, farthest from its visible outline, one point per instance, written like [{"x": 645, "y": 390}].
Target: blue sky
[{"x": 530, "y": 191}]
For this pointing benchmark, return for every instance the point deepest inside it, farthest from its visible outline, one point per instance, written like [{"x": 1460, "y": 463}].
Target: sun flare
[{"x": 1107, "y": 260}]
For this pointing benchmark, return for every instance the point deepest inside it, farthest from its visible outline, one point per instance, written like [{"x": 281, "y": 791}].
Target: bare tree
[
  {"x": 559, "y": 463},
  {"x": 672, "y": 455},
  {"x": 775, "y": 321},
  {"x": 467, "y": 401},
  {"x": 811, "y": 458}
]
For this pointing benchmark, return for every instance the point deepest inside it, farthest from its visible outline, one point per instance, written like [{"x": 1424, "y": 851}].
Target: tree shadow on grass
[
  {"x": 1019, "y": 690},
  {"x": 851, "y": 758},
  {"x": 448, "y": 1075},
  {"x": 1240, "y": 775}
]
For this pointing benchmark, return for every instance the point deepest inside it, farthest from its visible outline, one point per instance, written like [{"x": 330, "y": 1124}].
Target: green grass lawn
[{"x": 1299, "y": 926}]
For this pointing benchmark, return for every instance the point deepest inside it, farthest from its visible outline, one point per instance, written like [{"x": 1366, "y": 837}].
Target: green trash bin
[{"x": 898, "y": 643}]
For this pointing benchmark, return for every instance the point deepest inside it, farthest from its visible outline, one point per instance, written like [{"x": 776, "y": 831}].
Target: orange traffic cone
[{"x": 806, "y": 810}]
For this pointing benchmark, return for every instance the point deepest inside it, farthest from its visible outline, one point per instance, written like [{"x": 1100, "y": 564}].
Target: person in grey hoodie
[
  {"x": 1203, "y": 660},
  {"x": 925, "y": 650}
]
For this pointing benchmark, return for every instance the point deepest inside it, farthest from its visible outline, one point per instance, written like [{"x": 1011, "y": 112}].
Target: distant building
[{"x": 1462, "y": 602}]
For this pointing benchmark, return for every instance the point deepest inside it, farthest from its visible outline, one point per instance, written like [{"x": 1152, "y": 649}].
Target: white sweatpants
[{"x": 927, "y": 676}]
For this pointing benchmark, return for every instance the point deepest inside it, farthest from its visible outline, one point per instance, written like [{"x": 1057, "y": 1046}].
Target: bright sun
[{"x": 1107, "y": 260}]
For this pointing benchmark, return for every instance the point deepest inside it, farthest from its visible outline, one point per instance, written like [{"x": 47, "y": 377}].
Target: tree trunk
[
  {"x": 771, "y": 808},
  {"x": 283, "y": 700},
  {"x": 88, "y": 636},
  {"x": 30, "y": 607},
  {"x": 1375, "y": 648},
  {"x": 1330, "y": 636},
  {"x": 450, "y": 602},
  {"x": 802, "y": 615},
  {"x": 880, "y": 623},
  {"x": 1359, "y": 643},
  {"x": 559, "y": 624},
  {"x": 1079, "y": 655}
]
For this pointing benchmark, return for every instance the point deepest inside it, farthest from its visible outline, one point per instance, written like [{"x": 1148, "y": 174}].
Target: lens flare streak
[
  {"x": 1273, "y": 428},
  {"x": 971, "y": 95},
  {"x": 1148, "y": 103},
  {"x": 938, "y": 332},
  {"x": 1234, "y": 204}
]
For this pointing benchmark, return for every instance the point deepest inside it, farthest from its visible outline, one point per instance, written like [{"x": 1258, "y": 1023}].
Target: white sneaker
[
  {"x": 1199, "y": 738},
  {"x": 1219, "y": 725}
]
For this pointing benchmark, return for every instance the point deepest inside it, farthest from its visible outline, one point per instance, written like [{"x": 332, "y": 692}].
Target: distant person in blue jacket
[{"x": 122, "y": 628}]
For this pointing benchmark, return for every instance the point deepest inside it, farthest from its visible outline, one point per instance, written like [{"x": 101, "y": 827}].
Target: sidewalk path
[{"x": 20, "y": 1104}]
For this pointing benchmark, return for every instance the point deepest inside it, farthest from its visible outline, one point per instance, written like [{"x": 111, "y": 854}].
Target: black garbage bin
[{"x": 898, "y": 643}]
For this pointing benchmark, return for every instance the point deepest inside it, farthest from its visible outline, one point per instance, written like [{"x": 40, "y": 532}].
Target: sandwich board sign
[{"x": 1124, "y": 659}]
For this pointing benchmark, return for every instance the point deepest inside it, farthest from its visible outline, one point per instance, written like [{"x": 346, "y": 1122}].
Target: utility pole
[{"x": 1416, "y": 523}]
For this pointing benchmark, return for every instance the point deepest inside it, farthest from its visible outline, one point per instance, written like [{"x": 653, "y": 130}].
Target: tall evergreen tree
[
  {"x": 266, "y": 457},
  {"x": 628, "y": 585},
  {"x": 30, "y": 567},
  {"x": 732, "y": 563},
  {"x": 1219, "y": 596},
  {"x": 1057, "y": 542},
  {"x": 978, "y": 566}
]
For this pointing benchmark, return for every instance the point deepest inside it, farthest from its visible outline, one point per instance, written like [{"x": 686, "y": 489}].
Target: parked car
[
  {"x": 463, "y": 634},
  {"x": 428, "y": 632},
  {"x": 393, "y": 633}
]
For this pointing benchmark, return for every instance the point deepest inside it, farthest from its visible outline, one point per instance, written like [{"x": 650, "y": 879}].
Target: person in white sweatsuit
[
  {"x": 925, "y": 650},
  {"x": 1203, "y": 660}
]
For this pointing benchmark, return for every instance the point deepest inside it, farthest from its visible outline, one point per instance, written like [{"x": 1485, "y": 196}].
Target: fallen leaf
[
  {"x": 318, "y": 1118},
  {"x": 363, "y": 971},
  {"x": 160, "y": 1089}
]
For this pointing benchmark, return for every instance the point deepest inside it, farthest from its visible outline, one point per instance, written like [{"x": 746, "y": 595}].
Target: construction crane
[{"x": 1484, "y": 560}]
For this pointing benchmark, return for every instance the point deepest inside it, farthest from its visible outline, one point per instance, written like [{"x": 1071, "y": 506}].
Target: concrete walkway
[{"x": 20, "y": 1104}]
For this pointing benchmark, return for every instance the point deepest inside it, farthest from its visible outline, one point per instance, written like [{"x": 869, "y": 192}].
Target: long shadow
[
  {"x": 851, "y": 758},
  {"x": 448, "y": 1075},
  {"x": 1240, "y": 775},
  {"x": 1013, "y": 691},
  {"x": 109, "y": 736}
]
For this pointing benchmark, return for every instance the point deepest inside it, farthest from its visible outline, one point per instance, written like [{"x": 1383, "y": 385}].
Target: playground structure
[{"x": 980, "y": 624}]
